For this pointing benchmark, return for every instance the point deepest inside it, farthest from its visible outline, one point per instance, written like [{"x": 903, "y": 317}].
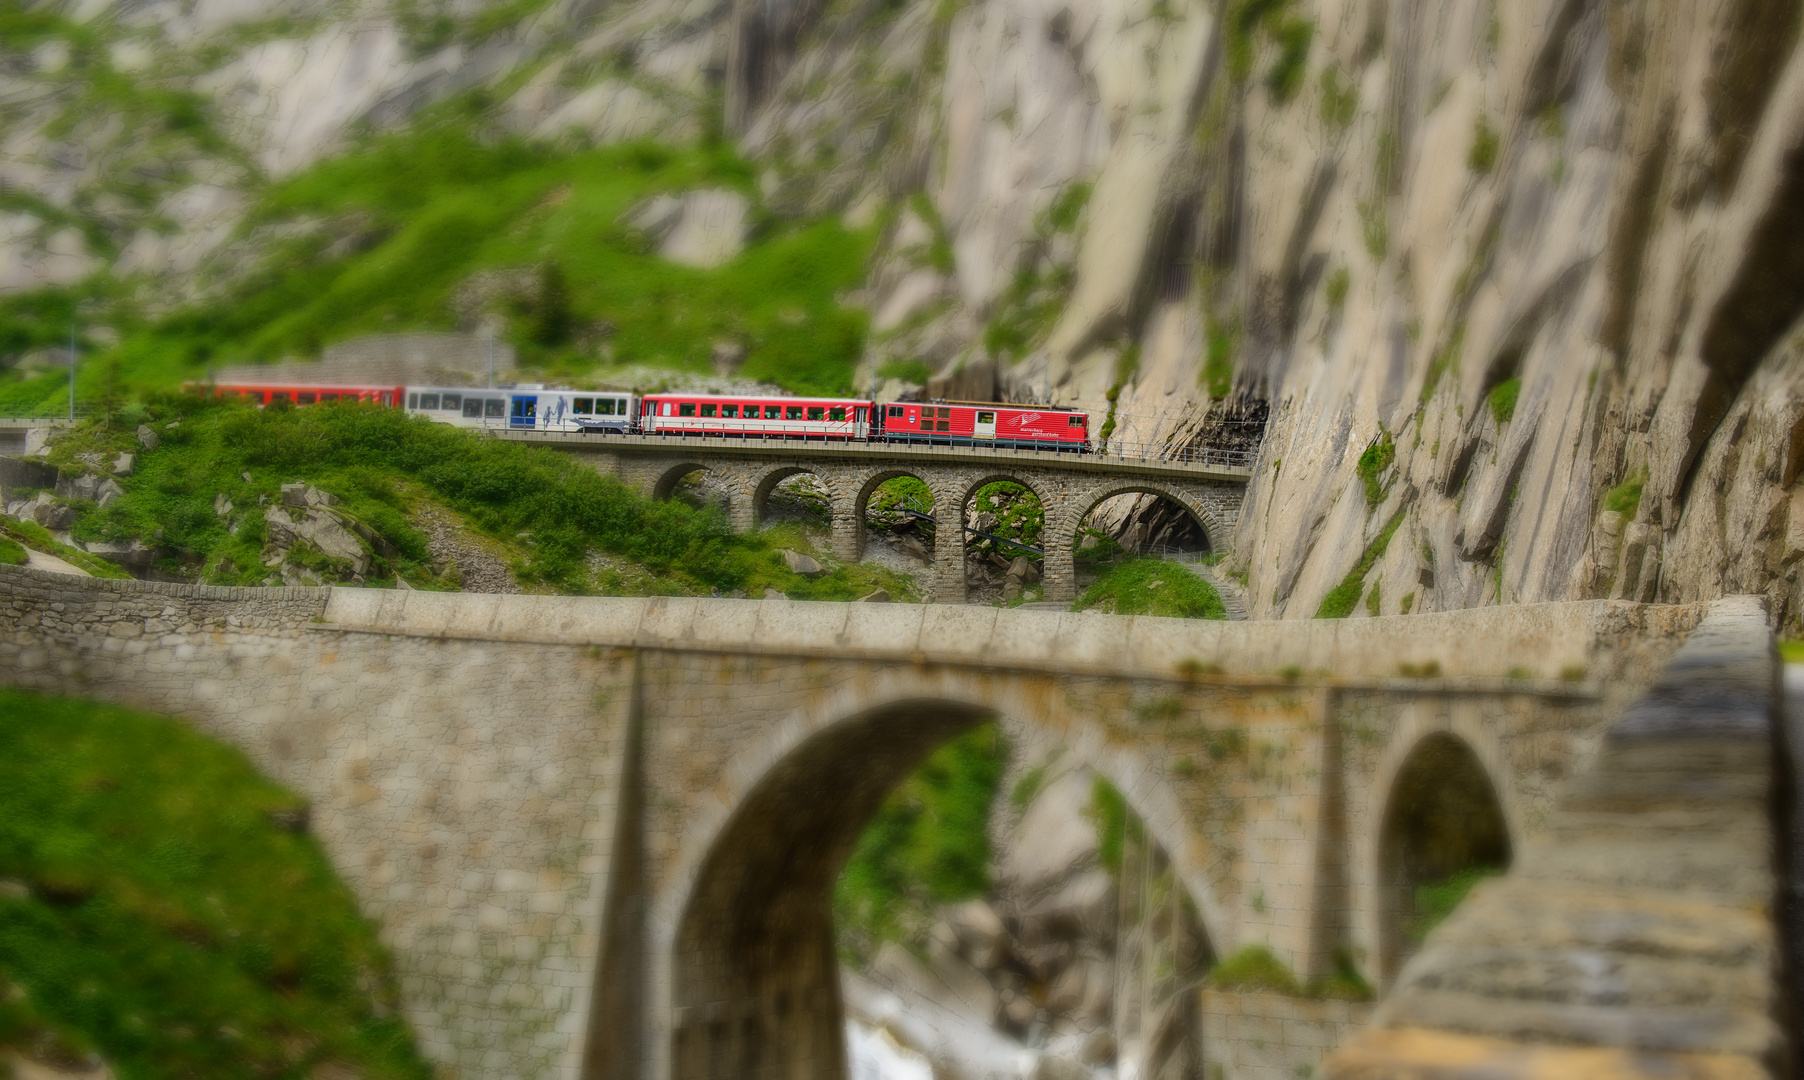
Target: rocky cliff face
[{"x": 1519, "y": 281}]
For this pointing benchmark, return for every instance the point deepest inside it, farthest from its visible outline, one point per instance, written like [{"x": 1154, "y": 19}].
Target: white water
[{"x": 875, "y": 1055}]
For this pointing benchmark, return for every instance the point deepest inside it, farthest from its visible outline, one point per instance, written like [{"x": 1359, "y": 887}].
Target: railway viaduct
[
  {"x": 1209, "y": 488},
  {"x": 600, "y": 834}
]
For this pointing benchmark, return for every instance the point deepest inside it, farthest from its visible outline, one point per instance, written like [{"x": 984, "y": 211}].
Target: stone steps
[{"x": 1233, "y": 597}]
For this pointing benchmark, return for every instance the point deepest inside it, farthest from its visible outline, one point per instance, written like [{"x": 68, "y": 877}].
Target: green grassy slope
[
  {"x": 549, "y": 509},
  {"x": 159, "y": 913},
  {"x": 417, "y": 213},
  {"x": 1152, "y": 587}
]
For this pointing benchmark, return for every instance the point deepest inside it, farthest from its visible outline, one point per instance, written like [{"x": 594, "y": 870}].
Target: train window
[
  {"x": 772, "y": 412},
  {"x": 472, "y": 406},
  {"x": 986, "y": 418},
  {"x": 895, "y": 410},
  {"x": 837, "y": 414},
  {"x": 945, "y": 414},
  {"x": 944, "y": 426},
  {"x": 792, "y": 412},
  {"x": 450, "y": 402},
  {"x": 328, "y": 397},
  {"x": 666, "y": 408},
  {"x": 686, "y": 408},
  {"x": 816, "y": 412},
  {"x": 729, "y": 411},
  {"x": 1075, "y": 421},
  {"x": 428, "y": 401},
  {"x": 308, "y": 399},
  {"x": 709, "y": 410},
  {"x": 279, "y": 395},
  {"x": 494, "y": 407},
  {"x": 584, "y": 405},
  {"x": 413, "y": 401},
  {"x": 387, "y": 398}
]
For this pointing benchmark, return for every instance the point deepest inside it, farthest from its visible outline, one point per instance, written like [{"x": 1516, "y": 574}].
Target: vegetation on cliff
[
  {"x": 163, "y": 907},
  {"x": 1152, "y": 587},
  {"x": 429, "y": 228}
]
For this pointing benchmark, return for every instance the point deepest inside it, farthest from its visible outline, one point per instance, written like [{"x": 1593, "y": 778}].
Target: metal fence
[{"x": 37, "y": 412}]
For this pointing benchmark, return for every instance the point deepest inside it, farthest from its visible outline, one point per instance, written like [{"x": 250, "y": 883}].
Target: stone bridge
[
  {"x": 1068, "y": 486},
  {"x": 600, "y": 835}
]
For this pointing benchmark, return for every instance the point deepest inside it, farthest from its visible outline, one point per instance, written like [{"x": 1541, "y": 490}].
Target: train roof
[
  {"x": 759, "y": 397},
  {"x": 993, "y": 405}
]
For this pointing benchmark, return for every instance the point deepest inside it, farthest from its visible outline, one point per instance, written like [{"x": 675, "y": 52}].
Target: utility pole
[
  {"x": 72, "y": 367},
  {"x": 491, "y": 329}
]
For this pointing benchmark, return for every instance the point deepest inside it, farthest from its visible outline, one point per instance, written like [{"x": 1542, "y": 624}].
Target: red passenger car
[
  {"x": 752, "y": 417},
  {"x": 270, "y": 393},
  {"x": 960, "y": 423}
]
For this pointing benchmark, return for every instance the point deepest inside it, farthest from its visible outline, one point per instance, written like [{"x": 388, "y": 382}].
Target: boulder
[
  {"x": 49, "y": 513},
  {"x": 315, "y": 497},
  {"x": 147, "y": 438},
  {"x": 980, "y": 934},
  {"x": 131, "y": 554},
  {"x": 109, "y": 492},
  {"x": 221, "y": 505},
  {"x": 880, "y": 596},
  {"x": 324, "y": 531},
  {"x": 294, "y": 495},
  {"x": 910, "y": 545},
  {"x": 123, "y": 464},
  {"x": 1055, "y": 836},
  {"x": 772, "y": 594},
  {"x": 804, "y": 565},
  {"x": 1023, "y": 568},
  {"x": 1099, "y": 1048},
  {"x": 1011, "y": 589},
  {"x": 965, "y": 984}
]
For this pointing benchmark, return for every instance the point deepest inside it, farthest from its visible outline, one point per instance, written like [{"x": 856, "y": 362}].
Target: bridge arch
[
  {"x": 1061, "y": 534},
  {"x": 669, "y": 476},
  {"x": 743, "y": 937},
  {"x": 1443, "y": 812},
  {"x": 1037, "y": 486},
  {"x": 764, "y": 482}
]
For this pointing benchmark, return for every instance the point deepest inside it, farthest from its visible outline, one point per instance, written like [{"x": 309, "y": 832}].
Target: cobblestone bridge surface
[
  {"x": 600, "y": 835},
  {"x": 1068, "y": 486}
]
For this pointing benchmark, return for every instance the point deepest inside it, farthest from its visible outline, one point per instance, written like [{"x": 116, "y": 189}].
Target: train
[{"x": 727, "y": 416}]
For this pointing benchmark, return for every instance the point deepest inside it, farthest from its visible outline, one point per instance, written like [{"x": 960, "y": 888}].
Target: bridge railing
[
  {"x": 38, "y": 412},
  {"x": 1159, "y": 453}
]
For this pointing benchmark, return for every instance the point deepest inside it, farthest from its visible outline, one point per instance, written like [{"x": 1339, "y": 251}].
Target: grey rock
[
  {"x": 772, "y": 594},
  {"x": 148, "y": 438},
  {"x": 911, "y": 545},
  {"x": 294, "y": 495},
  {"x": 805, "y": 565},
  {"x": 979, "y": 933},
  {"x": 324, "y": 531},
  {"x": 123, "y": 464},
  {"x": 878, "y": 596},
  {"x": 222, "y": 506},
  {"x": 316, "y": 497}
]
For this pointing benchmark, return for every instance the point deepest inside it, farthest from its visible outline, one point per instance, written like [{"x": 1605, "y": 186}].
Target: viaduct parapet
[{"x": 601, "y": 835}]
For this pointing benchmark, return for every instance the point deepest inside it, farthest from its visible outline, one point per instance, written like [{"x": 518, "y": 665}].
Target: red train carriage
[
  {"x": 959, "y": 423},
  {"x": 748, "y": 416},
  {"x": 270, "y": 393}
]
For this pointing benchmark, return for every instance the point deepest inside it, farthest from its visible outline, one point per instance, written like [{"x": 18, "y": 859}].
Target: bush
[
  {"x": 1503, "y": 400},
  {"x": 1482, "y": 157},
  {"x": 1625, "y": 498}
]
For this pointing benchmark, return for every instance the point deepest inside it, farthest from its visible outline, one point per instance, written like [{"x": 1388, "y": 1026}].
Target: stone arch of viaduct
[
  {"x": 1068, "y": 489},
  {"x": 600, "y": 833}
]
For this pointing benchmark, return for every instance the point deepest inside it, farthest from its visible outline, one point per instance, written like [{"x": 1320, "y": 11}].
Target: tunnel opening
[
  {"x": 862, "y": 869},
  {"x": 900, "y": 528},
  {"x": 1443, "y": 832},
  {"x": 1004, "y": 554}
]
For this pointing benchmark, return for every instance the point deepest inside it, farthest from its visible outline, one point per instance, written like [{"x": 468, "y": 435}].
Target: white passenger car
[{"x": 594, "y": 411}]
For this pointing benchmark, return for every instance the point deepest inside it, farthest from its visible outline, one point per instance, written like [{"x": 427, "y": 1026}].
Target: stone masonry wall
[
  {"x": 472, "y": 764},
  {"x": 1255, "y": 1036},
  {"x": 463, "y": 789}
]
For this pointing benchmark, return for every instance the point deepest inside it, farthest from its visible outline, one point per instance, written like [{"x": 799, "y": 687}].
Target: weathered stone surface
[
  {"x": 148, "y": 438},
  {"x": 805, "y": 565}
]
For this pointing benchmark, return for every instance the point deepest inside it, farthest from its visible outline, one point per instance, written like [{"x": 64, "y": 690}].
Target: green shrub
[
  {"x": 1114, "y": 824},
  {"x": 1377, "y": 458},
  {"x": 1339, "y": 282},
  {"x": 11, "y": 553},
  {"x": 1503, "y": 400},
  {"x": 1625, "y": 498},
  {"x": 171, "y": 923},
  {"x": 1255, "y": 968},
  {"x": 1341, "y": 599},
  {"x": 1482, "y": 156}
]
